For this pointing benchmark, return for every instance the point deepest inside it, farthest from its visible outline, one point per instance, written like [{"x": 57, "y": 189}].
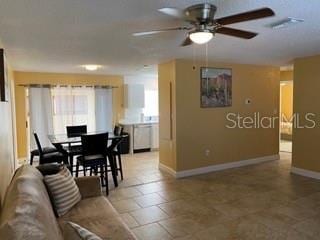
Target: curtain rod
[{"x": 72, "y": 86}]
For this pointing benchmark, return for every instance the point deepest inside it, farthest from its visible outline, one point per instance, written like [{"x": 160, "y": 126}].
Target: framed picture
[
  {"x": 4, "y": 84},
  {"x": 216, "y": 87}
]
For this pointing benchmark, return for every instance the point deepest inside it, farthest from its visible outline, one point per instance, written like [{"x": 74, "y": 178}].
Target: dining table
[{"x": 58, "y": 140}]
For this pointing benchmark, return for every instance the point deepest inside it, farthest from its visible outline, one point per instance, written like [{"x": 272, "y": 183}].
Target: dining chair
[
  {"x": 115, "y": 149},
  {"x": 45, "y": 150},
  {"x": 49, "y": 157},
  {"x": 75, "y": 149},
  {"x": 94, "y": 157}
]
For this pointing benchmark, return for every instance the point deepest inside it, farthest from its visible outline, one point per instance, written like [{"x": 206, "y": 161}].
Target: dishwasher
[{"x": 142, "y": 137}]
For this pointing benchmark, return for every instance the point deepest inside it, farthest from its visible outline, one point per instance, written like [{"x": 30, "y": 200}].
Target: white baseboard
[
  {"x": 305, "y": 173},
  {"x": 217, "y": 167}
]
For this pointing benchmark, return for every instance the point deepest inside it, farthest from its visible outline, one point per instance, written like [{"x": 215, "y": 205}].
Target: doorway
[{"x": 286, "y": 115}]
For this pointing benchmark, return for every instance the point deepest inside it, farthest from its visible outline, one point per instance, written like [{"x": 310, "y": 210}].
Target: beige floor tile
[
  {"x": 123, "y": 206},
  {"x": 172, "y": 195},
  {"x": 151, "y": 232},
  {"x": 310, "y": 227},
  {"x": 295, "y": 211},
  {"x": 123, "y": 193},
  {"x": 149, "y": 200},
  {"x": 129, "y": 220},
  {"x": 263, "y": 201},
  {"x": 149, "y": 215},
  {"x": 181, "y": 226}
]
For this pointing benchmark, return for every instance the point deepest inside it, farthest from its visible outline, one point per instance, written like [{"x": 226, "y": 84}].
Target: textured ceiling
[{"x": 60, "y": 35}]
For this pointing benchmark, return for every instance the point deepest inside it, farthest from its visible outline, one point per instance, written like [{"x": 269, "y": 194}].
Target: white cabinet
[
  {"x": 133, "y": 96},
  {"x": 155, "y": 136}
]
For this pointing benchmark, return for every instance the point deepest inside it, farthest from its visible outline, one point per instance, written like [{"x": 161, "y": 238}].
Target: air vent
[{"x": 286, "y": 23}]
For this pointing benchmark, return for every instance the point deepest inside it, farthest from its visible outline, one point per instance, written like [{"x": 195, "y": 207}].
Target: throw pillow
[
  {"x": 75, "y": 232},
  {"x": 64, "y": 191}
]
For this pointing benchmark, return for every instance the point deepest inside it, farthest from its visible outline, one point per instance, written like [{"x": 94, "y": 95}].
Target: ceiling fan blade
[
  {"x": 138, "y": 34},
  {"x": 186, "y": 42},
  {"x": 173, "y": 12},
  {"x": 236, "y": 33},
  {"x": 246, "y": 16}
]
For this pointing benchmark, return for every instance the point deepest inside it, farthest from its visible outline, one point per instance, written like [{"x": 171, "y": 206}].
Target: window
[
  {"x": 73, "y": 106},
  {"x": 151, "y": 103}
]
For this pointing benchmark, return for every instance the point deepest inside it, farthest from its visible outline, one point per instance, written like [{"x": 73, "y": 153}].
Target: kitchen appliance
[{"x": 142, "y": 137}]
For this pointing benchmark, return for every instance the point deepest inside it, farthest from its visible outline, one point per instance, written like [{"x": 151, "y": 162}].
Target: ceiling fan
[{"x": 202, "y": 25}]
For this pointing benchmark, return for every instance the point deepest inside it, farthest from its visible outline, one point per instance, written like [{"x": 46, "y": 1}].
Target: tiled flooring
[{"x": 261, "y": 201}]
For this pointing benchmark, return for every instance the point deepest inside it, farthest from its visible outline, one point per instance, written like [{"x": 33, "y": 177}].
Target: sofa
[{"x": 27, "y": 212}]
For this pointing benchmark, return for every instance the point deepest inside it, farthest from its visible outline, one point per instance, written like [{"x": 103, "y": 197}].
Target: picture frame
[
  {"x": 215, "y": 87},
  {"x": 4, "y": 82}
]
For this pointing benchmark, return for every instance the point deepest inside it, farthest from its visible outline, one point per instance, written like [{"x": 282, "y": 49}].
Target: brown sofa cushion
[
  {"x": 27, "y": 212},
  {"x": 98, "y": 216}
]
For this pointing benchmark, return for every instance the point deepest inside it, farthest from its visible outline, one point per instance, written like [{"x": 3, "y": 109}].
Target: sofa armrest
[{"x": 89, "y": 186}]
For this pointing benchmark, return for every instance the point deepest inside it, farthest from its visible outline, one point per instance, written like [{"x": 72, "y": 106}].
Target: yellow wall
[
  {"x": 7, "y": 135},
  {"x": 287, "y": 101},
  {"x": 286, "y": 75},
  {"x": 199, "y": 129},
  {"x": 167, "y": 116},
  {"x": 59, "y": 78},
  {"x": 306, "y": 99}
]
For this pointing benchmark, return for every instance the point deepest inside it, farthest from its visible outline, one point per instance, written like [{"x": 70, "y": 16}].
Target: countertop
[{"x": 129, "y": 122}]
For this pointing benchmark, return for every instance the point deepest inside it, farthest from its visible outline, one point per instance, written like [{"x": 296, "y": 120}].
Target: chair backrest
[
  {"x": 38, "y": 143},
  {"x": 94, "y": 144},
  {"x": 118, "y": 130},
  {"x": 76, "y": 131}
]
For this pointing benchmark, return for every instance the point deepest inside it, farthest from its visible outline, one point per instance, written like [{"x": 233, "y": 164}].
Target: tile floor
[{"x": 261, "y": 201}]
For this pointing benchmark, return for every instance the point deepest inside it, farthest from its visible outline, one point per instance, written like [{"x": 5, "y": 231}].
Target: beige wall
[
  {"x": 287, "y": 100},
  {"x": 286, "y": 75},
  {"x": 167, "y": 114},
  {"x": 199, "y": 129},
  {"x": 59, "y": 78},
  {"x": 7, "y": 148},
  {"x": 306, "y": 99}
]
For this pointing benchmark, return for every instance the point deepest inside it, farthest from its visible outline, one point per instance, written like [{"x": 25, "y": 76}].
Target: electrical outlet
[{"x": 207, "y": 152}]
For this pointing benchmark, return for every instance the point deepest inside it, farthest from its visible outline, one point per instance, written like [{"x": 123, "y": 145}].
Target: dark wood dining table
[{"x": 58, "y": 140}]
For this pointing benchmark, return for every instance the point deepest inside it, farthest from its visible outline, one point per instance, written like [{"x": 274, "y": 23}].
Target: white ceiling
[{"x": 60, "y": 35}]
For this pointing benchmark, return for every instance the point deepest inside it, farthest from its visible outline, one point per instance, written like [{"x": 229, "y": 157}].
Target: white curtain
[
  {"x": 73, "y": 106},
  {"x": 40, "y": 107},
  {"x": 103, "y": 109}
]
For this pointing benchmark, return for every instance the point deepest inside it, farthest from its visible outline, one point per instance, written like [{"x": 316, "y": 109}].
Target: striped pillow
[
  {"x": 64, "y": 191},
  {"x": 75, "y": 232}
]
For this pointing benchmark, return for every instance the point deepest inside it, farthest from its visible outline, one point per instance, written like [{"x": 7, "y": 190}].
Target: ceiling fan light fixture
[{"x": 201, "y": 37}]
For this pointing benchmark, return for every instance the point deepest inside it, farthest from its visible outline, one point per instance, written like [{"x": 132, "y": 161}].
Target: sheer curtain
[
  {"x": 73, "y": 106},
  {"x": 103, "y": 109},
  {"x": 40, "y": 113}
]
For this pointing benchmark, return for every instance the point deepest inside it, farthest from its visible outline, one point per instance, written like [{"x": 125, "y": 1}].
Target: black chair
[
  {"x": 51, "y": 157},
  {"x": 115, "y": 149},
  {"x": 76, "y": 131},
  {"x": 94, "y": 157},
  {"x": 74, "y": 150},
  {"x": 45, "y": 150}
]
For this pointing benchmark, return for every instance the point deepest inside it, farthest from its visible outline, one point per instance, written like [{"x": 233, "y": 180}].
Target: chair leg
[
  {"x": 31, "y": 158},
  {"x": 84, "y": 170},
  {"x": 77, "y": 169},
  {"x": 71, "y": 163},
  {"x": 106, "y": 178},
  {"x": 113, "y": 170},
  {"x": 114, "y": 158},
  {"x": 120, "y": 166}
]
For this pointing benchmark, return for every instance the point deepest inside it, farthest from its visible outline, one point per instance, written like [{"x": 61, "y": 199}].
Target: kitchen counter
[
  {"x": 129, "y": 122},
  {"x": 142, "y": 134}
]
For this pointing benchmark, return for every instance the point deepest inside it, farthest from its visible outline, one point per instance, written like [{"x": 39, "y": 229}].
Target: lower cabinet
[{"x": 155, "y": 136}]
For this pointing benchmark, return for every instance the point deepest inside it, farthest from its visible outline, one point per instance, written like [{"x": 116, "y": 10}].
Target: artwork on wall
[
  {"x": 4, "y": 84},
  {"x": 216, "y": 87}
]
